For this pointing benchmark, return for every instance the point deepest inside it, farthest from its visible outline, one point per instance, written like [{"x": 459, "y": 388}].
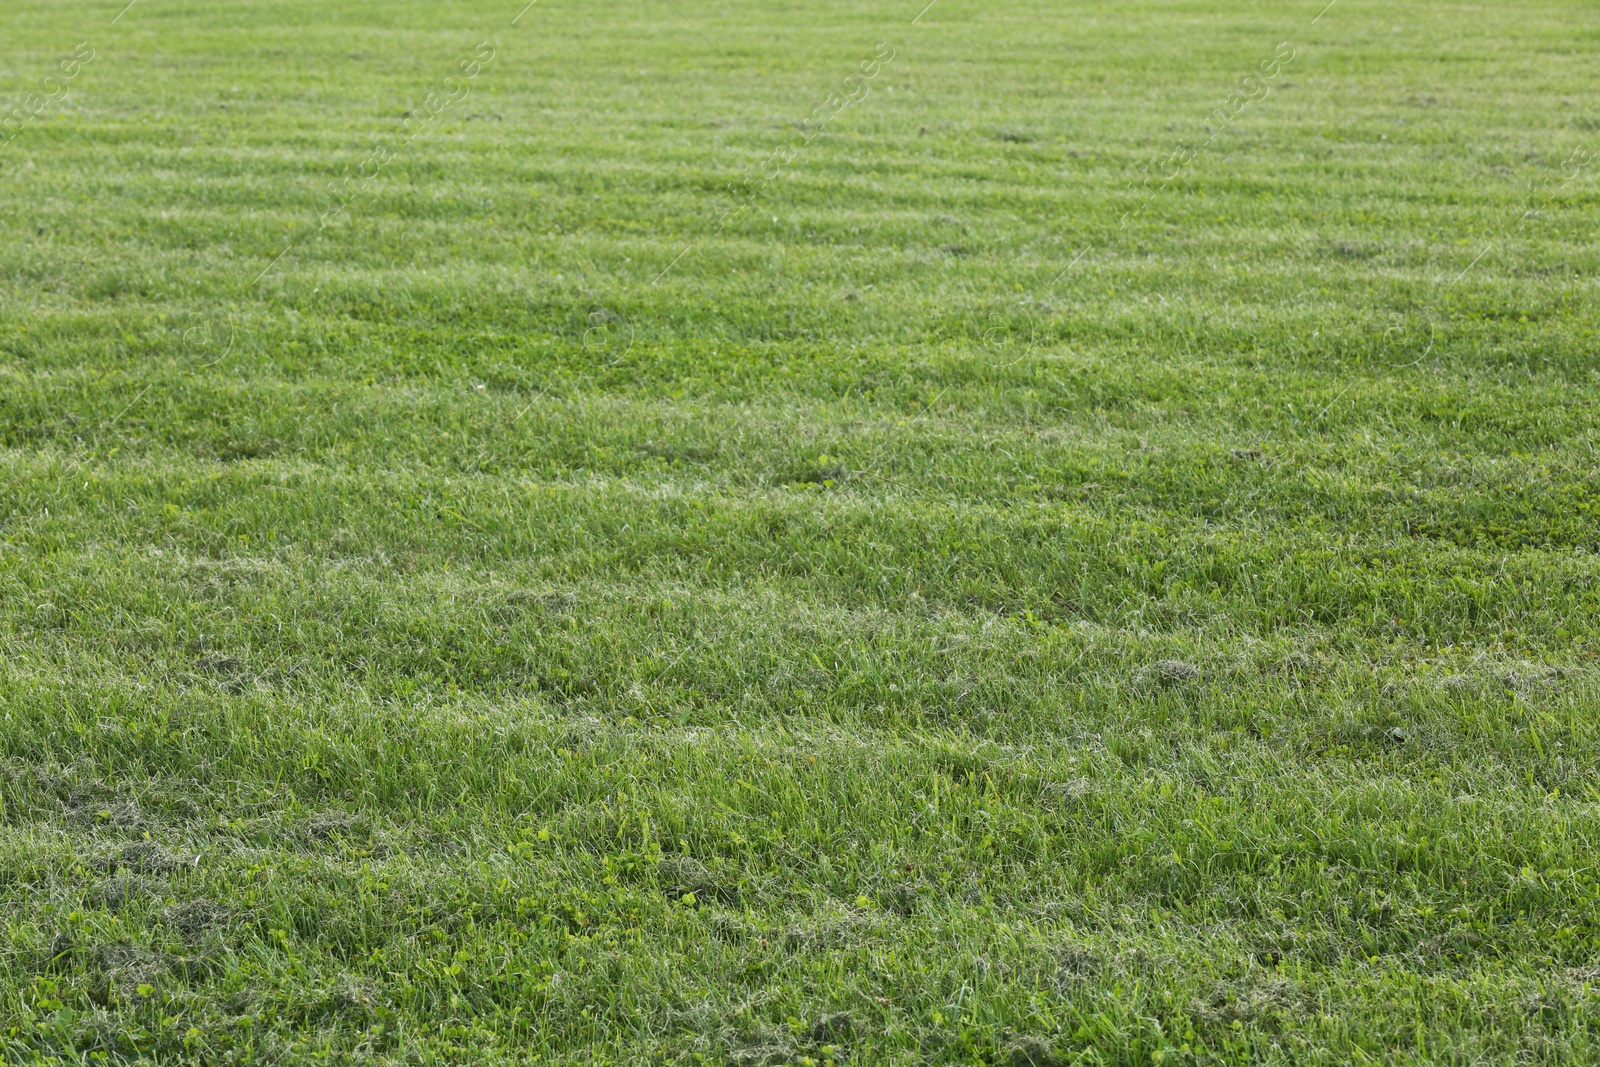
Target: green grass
[{"x": 978, "y": 603}]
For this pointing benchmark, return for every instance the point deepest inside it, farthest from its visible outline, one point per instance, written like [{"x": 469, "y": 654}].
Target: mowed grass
[{"x": 979, "y": 603}]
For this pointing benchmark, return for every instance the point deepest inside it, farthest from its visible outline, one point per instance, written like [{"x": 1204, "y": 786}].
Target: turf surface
[{"x": 703, "y": 531}]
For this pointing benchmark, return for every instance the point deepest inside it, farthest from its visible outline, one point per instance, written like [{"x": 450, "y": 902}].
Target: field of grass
[{"x": 696, "y": 531}]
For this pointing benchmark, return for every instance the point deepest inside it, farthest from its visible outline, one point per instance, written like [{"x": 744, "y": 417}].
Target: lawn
[{"x": 697, "y": 531}]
